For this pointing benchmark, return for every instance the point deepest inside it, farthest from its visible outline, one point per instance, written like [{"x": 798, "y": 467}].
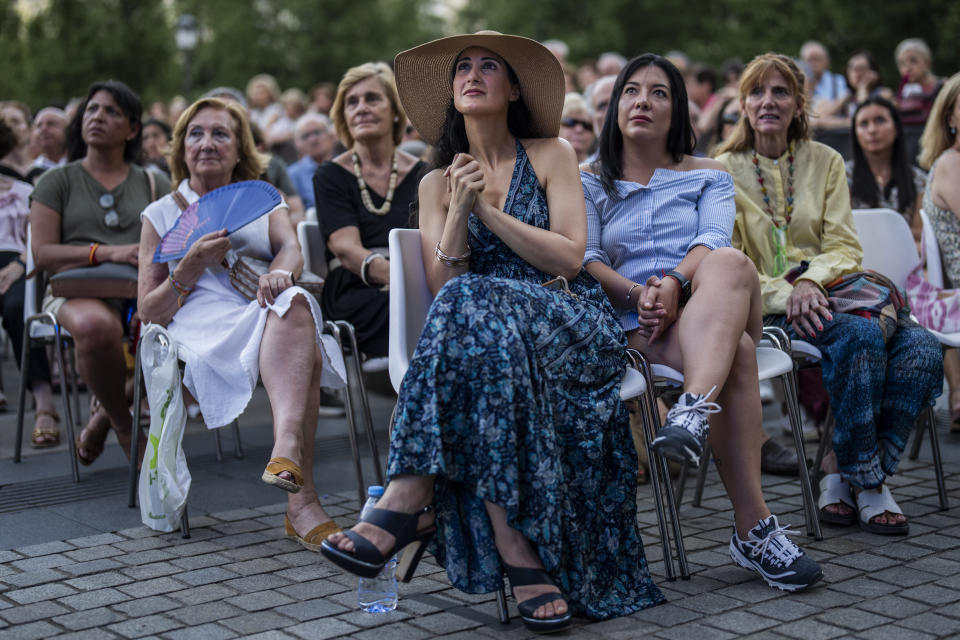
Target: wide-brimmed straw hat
[{"x": 423, "y": 79}]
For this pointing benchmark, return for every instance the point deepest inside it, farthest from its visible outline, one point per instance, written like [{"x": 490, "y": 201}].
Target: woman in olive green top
[{"x": 85, "y": 213}]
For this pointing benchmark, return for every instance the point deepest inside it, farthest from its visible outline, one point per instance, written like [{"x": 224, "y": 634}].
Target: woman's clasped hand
[{"x": 806, "y": 305}]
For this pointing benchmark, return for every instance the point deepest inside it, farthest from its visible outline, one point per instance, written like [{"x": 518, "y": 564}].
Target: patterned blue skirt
[{"x": 512, "y": 396}]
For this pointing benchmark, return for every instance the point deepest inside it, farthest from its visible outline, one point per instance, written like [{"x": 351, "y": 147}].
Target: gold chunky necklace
[{"x": 365, "y": 194}]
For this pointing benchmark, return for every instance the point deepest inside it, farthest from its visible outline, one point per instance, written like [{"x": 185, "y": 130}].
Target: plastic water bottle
[{"x": 378, "y": 595}]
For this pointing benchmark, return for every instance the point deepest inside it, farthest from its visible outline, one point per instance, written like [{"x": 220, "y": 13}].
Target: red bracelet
[{"x": 92, "y": 257}]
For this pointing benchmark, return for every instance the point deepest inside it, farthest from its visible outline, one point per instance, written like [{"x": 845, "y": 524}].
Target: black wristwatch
[{"x": 684, "y": 285}]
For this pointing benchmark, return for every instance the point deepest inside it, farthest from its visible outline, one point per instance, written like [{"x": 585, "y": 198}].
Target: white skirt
[{"x": 218, "y": 329}]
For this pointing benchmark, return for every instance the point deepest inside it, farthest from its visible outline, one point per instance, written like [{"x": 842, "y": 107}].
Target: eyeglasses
[
  {"x": 110, "y": 218},
  {"x": 572, "y": 122},
  {"x": 410, "y": 129},
  {"x": 731, "y": 118}
]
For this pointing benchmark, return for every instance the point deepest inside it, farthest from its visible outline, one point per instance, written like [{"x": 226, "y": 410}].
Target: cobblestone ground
[{"x": 236, "y": 576}]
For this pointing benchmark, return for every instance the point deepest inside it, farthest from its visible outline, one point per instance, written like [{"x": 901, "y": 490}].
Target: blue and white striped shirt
[{"x": 650, "y": 228}]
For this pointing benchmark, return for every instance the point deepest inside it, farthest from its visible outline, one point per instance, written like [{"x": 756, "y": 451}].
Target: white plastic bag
[{"x": 164, "y": 477}]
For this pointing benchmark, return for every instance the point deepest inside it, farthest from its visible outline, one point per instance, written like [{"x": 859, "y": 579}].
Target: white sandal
[
  {"x": 834, "y": 490},
  {"x": 874, "y": 502}
]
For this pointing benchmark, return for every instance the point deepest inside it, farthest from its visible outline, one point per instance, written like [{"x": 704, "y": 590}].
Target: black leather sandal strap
[
  {"x": 524, "y": 576},
  {"x": 402, "y": 526},
  {"x": 363, "y": 549}
]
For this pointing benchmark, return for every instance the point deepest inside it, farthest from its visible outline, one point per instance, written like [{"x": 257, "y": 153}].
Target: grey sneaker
[
  {"x": 768, "y": 551},
  {"x": 683, "y": 435}
]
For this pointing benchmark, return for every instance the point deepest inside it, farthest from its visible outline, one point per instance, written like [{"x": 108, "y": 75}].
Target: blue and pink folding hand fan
[{"x": 231, "y": 207}]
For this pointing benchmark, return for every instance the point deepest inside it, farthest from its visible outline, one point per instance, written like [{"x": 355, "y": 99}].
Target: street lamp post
[{"x": 187, "y": 35}]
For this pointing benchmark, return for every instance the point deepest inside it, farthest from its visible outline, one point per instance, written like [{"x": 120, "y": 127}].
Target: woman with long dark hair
[
  {"x": 659, "y": 222},
  {"x": 880, "y": 174},
  {"x": 87, "y": 212},
  {"x": 510, "y": 441}
]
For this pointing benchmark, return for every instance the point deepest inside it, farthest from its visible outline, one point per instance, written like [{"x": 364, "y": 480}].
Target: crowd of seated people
[{"x": 509, "y": 439}]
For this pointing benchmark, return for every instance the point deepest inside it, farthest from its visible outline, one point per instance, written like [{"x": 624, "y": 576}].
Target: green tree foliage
[
  {"x": 11, "y": 52},
  {"x": 71, "y": 43},
  {"x": 300, "y": 42},
  {"x": 713, "y": 31},
  {"x": 74, "y": 43}
]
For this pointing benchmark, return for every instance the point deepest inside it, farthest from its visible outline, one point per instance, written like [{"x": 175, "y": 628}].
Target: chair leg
[
  {"x": 22, "y": 393},
  {"x": 502, "y": 611},
  {"x": 702, "y": 474},
  {"x": 937, "y": 462},
  {"x": 365, "y": 404},
  {"x": 135, "y": 433},
  {"x": 917, "y": 441},
  {"x": 789, "y": 382},
  {"x": 681, "y": 486},
  {"x": 656, "y": 483},
  {"x": 237, "y": 444},
  {"x": 217, "y": 447},
  {"x": 74, "y": 386},
  {"x": 185, "y": 524},
  {"x": 334, "y": 329},
  {"x": 65, "y": 397},
  {"x": 665, "y": 484},
  {"x": 826, "y": 440}
]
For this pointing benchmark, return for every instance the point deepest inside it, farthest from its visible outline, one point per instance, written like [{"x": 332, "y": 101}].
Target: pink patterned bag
[{"x": 933, "y": 307}]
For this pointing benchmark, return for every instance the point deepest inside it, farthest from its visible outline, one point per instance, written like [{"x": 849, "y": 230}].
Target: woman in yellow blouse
[{"x": 793, "y": 216}]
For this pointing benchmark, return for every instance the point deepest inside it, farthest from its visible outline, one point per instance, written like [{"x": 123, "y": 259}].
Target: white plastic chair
[
  {"x": 410, "y": 300},
  {"x": 889, "y": 248},
  {"x": 45, "y": 328},
  {"x": 931, "y": 252}
]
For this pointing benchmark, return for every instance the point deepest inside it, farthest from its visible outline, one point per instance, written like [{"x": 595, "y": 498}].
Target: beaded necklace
[
  {"x": 365, "y": 194},
  {"x": 779, "y": 230}
]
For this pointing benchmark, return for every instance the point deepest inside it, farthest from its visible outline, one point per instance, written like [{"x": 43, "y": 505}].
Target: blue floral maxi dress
[{"x": 512, "y": 396}]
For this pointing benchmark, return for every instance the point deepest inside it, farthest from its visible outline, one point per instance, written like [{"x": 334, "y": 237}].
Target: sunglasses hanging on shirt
[{"x": 110, "y": 218}]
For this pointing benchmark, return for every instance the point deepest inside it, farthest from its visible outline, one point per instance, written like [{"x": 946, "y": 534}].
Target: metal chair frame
[{"x": 44, "y": 328}]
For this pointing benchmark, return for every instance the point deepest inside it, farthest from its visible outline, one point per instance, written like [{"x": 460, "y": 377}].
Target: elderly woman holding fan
[{"x": 213, "y": 323}]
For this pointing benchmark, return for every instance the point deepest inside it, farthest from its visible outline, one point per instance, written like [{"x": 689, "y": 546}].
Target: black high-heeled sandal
[
  {"x": 523, "y": 577},
  {"x": 366, "y": 560}
]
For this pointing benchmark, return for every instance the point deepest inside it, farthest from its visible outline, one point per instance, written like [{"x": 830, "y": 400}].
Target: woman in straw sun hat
[{"x": 510, "y": 442}]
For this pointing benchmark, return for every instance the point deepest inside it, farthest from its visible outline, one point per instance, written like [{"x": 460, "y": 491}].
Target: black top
[{"x": 339, "y": 204}]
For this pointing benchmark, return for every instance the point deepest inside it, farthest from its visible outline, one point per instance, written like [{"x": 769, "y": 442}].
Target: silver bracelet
[
  {"x": 365, "y": 265},
  {"x": 630, "y": 291},
  {"x": 453, "y": 261}
]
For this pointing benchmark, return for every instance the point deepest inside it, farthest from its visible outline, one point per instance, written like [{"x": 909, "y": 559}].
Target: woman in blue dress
[
  {"x": 659, "y": 225},
  {"x": 510, "y": 442}
]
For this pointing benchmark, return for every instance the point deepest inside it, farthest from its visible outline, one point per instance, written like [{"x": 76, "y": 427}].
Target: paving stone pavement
[{"x": 237, "y": 577}]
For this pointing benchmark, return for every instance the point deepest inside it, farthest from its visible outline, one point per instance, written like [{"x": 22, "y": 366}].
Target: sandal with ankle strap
[
  {"x": 366, "y": 560},
  {"x": 314, "y": 537},
  {"x": 524, "y": 577}
]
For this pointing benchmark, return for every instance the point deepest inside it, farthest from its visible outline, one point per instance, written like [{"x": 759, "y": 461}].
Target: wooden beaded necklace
[
  {"x": 779, "y": 230},
  {"x": 365, "y": 194}
]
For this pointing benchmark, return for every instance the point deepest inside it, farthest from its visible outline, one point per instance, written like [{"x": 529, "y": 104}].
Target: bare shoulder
[
  {"x": 948, "y": 162},
  {"x": 550, "y": 156},
  {"x": 692, "y": 163}
]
